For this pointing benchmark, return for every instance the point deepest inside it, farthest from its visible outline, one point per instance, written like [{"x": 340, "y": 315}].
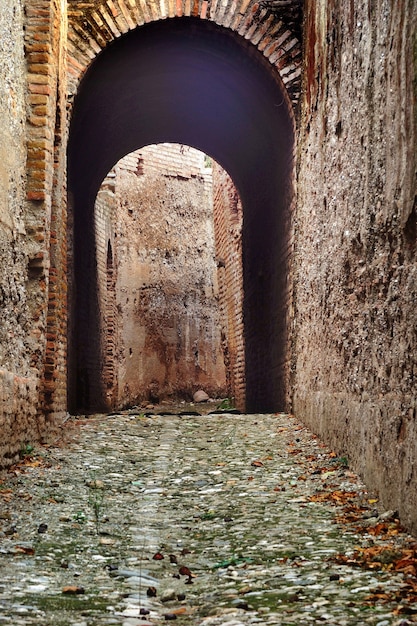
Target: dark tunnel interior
[{"x": 188, "y": 81}]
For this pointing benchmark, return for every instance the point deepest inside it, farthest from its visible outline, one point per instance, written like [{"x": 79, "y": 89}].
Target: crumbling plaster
[{"x": 159, "y": 223}]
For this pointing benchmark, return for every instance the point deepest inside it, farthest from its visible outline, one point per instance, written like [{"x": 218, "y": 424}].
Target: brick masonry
[
  {"x": 45, "y": 53},
  {"x": 228, "y": 218},
  {"x": 270, "y": 28}
]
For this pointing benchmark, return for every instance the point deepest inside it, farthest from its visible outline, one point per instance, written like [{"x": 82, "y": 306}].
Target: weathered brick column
[
  {"x": 228, "y": 217},
  {"x": 45, "y": 49}
]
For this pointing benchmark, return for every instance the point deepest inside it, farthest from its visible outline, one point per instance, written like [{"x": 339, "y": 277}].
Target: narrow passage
[{"x": 203, "y": 520}]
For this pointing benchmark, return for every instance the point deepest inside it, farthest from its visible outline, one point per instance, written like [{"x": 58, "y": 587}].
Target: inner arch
[{"x": 189, "y": 81}]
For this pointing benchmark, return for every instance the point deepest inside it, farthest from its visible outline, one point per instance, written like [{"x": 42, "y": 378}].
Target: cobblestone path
[{"x": 213, "y": 520}]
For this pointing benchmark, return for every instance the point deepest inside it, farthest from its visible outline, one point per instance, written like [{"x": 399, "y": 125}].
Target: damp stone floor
[{"x": 221, "y": 519}]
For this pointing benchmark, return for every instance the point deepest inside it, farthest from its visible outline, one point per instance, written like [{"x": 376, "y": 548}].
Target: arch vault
[{"x": 193, "y": 82}]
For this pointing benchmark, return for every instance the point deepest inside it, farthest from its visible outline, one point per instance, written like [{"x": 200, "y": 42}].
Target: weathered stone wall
[
  {"x": 18, "y": 380},
  {"x": 228, "y": 218},
  {"x": 356, "y": 272},
  {"x": 32, "y": 221},
  {"x": 158, "y": 222}
]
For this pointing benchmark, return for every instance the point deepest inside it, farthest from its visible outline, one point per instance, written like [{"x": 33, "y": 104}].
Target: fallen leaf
[
  {"x": 337, "y": 497},
  {"x": 180, "y": 611},
  {"x": 257, "y": 464},
  {"x": 73, "y": 590},
  {"x": 24, "y": 550},
  {"x": 185, "y": 571}
]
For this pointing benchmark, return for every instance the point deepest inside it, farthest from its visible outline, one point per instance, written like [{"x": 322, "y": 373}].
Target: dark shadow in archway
[{"x": 188, "y": 81}]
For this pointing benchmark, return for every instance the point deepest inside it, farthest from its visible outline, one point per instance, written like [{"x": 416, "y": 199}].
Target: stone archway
[{"x": 193, "y": 82}]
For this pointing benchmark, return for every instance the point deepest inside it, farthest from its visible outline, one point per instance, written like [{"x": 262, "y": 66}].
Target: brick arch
[
  {"x": 193, "y": 82},
  {"x": 272, "y": 26}
]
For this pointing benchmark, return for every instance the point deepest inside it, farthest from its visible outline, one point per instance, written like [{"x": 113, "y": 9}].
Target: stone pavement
[{"x": 203, "y": 520}]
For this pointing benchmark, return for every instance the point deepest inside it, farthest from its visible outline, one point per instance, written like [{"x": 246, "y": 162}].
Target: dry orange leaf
[
  {"x": 73, "y": 590},
  {"x": 24, "y": 550},
  {"x": 338, "y": 497},
  {"x": 180, "y": 611},
  {"x": 6, "y": 494}
]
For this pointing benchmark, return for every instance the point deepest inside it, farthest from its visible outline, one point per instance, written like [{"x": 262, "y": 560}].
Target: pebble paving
[{"x": 205, "y": 520}]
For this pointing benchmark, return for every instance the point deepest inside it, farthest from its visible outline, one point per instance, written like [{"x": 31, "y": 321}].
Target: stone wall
[
  {"x": 32, "y": 221},
  {"x": 155, "y": 240},
  {"x": 356, "y": 272},
  {"x": 18, "y": 378}
]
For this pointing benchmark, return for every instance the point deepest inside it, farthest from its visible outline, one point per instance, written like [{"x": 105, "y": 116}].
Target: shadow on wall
[{"x": 192, "y": 82}]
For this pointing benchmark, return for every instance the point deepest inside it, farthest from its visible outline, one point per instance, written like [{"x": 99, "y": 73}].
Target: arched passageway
[{"x": 192, "y": 82}]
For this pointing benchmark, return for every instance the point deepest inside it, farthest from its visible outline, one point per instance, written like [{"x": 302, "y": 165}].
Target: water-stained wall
[
  {"x": 166, "y": 321},
  {"x": 356, "y": 269}
]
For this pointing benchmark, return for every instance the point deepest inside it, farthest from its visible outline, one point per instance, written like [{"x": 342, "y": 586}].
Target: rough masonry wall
[
  {"x": 228, "y": 218},
  {"x": 168, "y": 340},
  {"x": 356, "y": 271},
  {"x": 32, "y": 221},
  {"x": 18, "y": 381}
]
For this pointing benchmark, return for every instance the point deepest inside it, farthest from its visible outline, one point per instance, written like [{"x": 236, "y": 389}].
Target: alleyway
[{"x": 207, "y": 520}]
